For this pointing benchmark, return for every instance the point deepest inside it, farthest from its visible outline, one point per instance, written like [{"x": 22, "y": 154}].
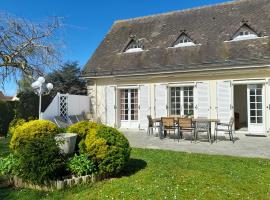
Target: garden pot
[{"x": 67, "y": 142}]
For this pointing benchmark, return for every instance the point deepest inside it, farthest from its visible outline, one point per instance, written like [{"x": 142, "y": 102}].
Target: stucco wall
[{"x": 98, "y": 94}]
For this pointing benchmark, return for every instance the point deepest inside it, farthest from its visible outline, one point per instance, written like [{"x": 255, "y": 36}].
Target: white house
[{"x": 210, "y": 62}]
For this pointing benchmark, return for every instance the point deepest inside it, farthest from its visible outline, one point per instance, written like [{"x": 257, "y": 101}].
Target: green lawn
[{"x": 156, "y": 174}]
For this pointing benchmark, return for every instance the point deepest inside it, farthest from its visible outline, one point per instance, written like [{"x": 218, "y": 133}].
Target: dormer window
[
  {"x": 245, "y": 33},
  {"x": 183, "y": 41},
  {"x": 134, "y": 46}
]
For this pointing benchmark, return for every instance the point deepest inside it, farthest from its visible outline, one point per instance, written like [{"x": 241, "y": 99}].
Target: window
[
  {"x": 181, "y": 101},
  {"x": 245, "y": 33},
  {"x": 183, "y": 41},
  {"x": 134, "y": 46}
]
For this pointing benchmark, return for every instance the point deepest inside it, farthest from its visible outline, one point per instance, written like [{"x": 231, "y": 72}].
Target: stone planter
[{"x": 67, "y": 142}]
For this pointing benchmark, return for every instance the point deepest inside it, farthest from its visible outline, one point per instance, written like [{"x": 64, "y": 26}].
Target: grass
[{"x": 156, "y": 174}]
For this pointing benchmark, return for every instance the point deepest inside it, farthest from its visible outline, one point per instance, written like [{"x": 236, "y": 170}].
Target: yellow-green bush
[
  {"x": 31, "y": 129},
  {"x": 108, "y": 148},
  {"x": 14, "y": 124},
  {"x": 96, "y": 148},
  {"x": 82, "y": 129}
]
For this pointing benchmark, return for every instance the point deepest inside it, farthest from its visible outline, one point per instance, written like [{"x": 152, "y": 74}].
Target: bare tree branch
[{"x": 26, "y": 47}]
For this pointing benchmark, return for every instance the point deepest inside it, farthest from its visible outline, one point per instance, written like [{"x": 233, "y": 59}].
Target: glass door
[
  {"x": 255, "y": 95},
  {"x": 129, "y": 108}
]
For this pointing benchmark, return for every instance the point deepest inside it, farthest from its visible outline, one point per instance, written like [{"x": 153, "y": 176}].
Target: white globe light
[
  {"x": 49, "y": 86},
  {"x": 41, "y": 79},
  {"x": 33, "y": 85},
  {"x": 36, "y": 85}
]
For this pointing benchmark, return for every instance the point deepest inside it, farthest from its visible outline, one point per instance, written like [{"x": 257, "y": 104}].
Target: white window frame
[{"x": 182, "y": 102}]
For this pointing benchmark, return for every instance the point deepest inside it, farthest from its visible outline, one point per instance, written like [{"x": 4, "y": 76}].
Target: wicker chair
[
  {"x": 185, "y": 125},
  {"x": 168, "y": 125}
]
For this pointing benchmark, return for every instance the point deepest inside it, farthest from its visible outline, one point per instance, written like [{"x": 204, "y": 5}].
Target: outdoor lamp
[
  {"x": 39, "y": 89},
  {"x": 49, "y": 86}
]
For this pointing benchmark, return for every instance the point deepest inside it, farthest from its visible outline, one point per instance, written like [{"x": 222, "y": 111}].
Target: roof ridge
[{"x": 232, "y": 2}]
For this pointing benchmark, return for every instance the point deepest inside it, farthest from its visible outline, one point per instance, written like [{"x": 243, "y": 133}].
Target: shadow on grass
[{"x": 133, "y": 166}]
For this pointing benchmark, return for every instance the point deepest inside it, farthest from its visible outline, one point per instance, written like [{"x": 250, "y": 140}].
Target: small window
[
  {"x": 134, "y": 46},
  {"x": 245, "y": 33},
  {"x": 183, "y": 41}
]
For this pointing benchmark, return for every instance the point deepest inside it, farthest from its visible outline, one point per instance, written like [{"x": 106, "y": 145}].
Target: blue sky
[{"x": 87, "y": 22}]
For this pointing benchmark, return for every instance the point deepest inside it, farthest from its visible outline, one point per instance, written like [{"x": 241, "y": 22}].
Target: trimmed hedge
[
  {"x": 14, "y": 124},
  {"x": 32, "y": 129},
  {"x": 108, "y": 148},
  {"x": 41, "y": 160},
  {"x": 82, "y": 129}
]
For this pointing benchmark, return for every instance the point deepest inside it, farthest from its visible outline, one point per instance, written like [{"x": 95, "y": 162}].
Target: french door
[
  {"x": 181, "y": 101},
  {"x": 129, "y": 108},
  {"x": 255, "y": 96}
]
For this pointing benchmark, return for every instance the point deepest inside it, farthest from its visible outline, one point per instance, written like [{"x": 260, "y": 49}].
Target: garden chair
[
  {"x": 168, "y": 125},
  {"x": 61, "y": 122},
  {"x": 151, "y": 125},
  {"x": 200, "y": 127},
  {"x": 185, "y": 125},
  {"x": 227, "y": 128}
]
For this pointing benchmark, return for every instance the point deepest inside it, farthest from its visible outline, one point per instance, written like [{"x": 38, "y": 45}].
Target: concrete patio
[{"x": 244, "y": 146}]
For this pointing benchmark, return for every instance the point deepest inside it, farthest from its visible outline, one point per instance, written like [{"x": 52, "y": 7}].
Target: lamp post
[{"x": 40, "y": 89}]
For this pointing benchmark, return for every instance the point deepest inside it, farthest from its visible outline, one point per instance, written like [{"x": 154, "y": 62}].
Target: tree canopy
[{"x": 67, "y": 79}]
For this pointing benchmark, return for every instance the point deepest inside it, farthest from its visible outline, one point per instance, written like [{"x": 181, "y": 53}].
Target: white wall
[{"x": 77, "y": 104}]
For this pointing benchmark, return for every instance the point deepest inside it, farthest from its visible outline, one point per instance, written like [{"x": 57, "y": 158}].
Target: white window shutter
[
  {"x": 144, "y": 106},
  {"x": 224, "y": 101},
  {"x": 110, "y": 105},
  {"x": 161, "y": 100},
  {"x": 203, "y": 99}
]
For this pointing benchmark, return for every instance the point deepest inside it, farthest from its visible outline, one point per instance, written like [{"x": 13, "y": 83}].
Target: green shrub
[
  {"x": 82, "y": 129},
  {"x": 32, "y": 129},
  {"x": 28, "y": 104},
  {"x": 108, "y": 148},
  {"x": 41, "y": 160},
  {"x": 15, "y": 123},
  {"x": 81, "y": 165},
  {"x": 9, "y": 165},
  {"x": 6, "y": 116}
]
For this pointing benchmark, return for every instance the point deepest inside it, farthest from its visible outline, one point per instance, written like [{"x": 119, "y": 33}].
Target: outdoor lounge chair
[
  {"x": 61, "y": 122},
  {"x": 168, "y": 125},
  {"x": 185, "y": 125},
  {"x": 226, "y": 128}
]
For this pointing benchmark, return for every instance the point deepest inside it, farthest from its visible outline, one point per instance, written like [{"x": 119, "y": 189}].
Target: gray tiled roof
[{"x": 207, "y": 26}]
